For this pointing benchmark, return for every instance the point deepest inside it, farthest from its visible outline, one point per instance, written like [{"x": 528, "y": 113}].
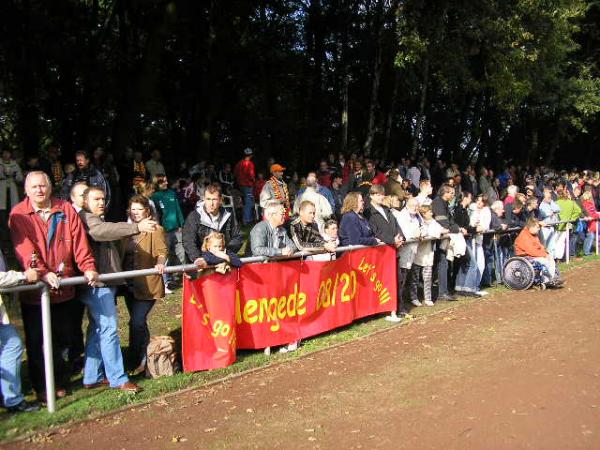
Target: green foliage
[{"x": 208, "y": 78}]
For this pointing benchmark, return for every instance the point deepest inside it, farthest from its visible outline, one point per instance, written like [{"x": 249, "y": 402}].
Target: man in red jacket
[
  {"x": 47, "y": 233},
  {"x": 244, "y": 175},
  {"x": 528, "y": 244}
]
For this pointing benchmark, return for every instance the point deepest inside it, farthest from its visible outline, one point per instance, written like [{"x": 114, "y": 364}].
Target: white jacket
[
  {"x": 425, "y": 254},
  {"x": 411, "y": 229}
]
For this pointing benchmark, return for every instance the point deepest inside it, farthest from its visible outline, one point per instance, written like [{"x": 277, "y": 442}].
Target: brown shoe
[
  {"x": 130, "y": 387},
  {"x": 99, "y": 384}
]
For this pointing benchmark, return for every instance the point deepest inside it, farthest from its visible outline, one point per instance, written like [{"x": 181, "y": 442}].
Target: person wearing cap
[
  {"x": 245, "y": 177},
  {"x": 276, "y": 189}
]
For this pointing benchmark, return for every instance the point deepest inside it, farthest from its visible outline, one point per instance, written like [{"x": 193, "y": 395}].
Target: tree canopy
[{"x": 470, "y": 81}]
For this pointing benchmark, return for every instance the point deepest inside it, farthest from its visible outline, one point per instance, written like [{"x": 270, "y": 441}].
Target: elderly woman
[
  {"x": 354, "y": 227},
  {"x": 142, "y": 251}
]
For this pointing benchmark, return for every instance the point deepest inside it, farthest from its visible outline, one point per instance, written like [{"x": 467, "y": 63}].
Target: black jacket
[
  {"x": 441, "y": 213},
  {"x": 384, "y": 229},
  {"x": 198, "y": 225},
  {"x": 461, "y": 218}
]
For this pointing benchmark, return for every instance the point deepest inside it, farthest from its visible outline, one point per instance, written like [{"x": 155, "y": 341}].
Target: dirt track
[{"x": 519, "y": 370}]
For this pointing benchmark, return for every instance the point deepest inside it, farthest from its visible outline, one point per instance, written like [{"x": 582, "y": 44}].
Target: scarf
[{"x": 281, "y": 193}]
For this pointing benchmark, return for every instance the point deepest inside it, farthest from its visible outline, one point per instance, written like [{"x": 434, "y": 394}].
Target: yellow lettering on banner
[
  {"x": 238, "y": 307},
  {"x": 249, "y": 309},
  {"x": 273, "y": 314},
  {"x": 281, "y": 308},
  {"x": 301, "y": 304},
  {"x": 205, "y": 319}
]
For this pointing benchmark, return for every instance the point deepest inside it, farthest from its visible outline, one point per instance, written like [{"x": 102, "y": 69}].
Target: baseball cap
[
  {"x": 277, "y": 168},
  {"x": 248, "y": 151}
]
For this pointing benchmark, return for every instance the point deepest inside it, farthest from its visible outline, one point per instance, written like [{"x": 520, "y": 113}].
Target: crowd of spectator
[{"x": 96, "y": 216}]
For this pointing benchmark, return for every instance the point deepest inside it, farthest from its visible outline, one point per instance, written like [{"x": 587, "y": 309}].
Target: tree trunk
[
  {"x": 377, "y": 66},
  {"x": 421, "y": 113},
  {"x": 390, "y": 118}
]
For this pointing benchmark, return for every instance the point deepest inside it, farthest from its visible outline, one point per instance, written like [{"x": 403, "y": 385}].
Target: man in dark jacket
[
  {"x": 210, "y": 216},
  {"x": 441, "y": 213},
  {"x": 386, "y": 229}
]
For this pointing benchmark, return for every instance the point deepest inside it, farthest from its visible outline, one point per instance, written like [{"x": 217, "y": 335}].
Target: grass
[{"x": 165, "y": 318}]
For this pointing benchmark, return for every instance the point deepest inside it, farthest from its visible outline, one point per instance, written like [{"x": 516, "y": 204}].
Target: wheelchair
[{"x": 521, "y": 273}]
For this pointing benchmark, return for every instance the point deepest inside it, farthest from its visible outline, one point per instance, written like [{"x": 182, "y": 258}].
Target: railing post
[{"x": 48, "y": 356}]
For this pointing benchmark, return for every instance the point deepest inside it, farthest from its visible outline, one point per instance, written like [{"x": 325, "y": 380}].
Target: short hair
[
  {"x": 86, "y": 193},
  {"x": 497, "y": 204},
  {"x": 512, "y": 190},
  {"x": 483, "y": 198},
  {"x": 213, "y": 188},
  {"x": 157, "y": 179},
  {"x": 79, "y": 183},
  {"x": 305, "y": 204},
  {"x": 83, "y": 153},
  {"x": 272, "y": 207},
  {"x": 532, "y": 200},
  {"x": 376, "y": 189},
  {"x": 212, "y": 236},
  {"x": 38, "y": 172},
  {"x": 531, "y": 222},
  {"x": 424, "y": 209},
  {"x": 329, "y": 223},
  {"x": 517, "y": 204},
  {"x": 445, "y": 189},
  {"x": 424, "y": 183},
  {"x": 351, "y": 201}
]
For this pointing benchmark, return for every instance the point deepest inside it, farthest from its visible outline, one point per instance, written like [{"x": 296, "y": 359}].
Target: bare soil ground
[{"x": 515, "y": 370}]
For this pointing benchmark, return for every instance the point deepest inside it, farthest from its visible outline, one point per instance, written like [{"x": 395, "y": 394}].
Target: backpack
[{"x": 161, "y": 357}]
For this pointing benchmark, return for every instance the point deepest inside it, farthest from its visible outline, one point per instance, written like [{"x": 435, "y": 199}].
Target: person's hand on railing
[
  {"x": 147, "y": 225},
  {"x": 286, "y": 251},
  {"x": 91, "y": 276},
  {"x": 503, "y": 226},
  {"x": 160, "y": 268},
  {"x": 32, "y": 275},
  {"x": 330, "y": 247},
  {"x": 52, "y": 280}
]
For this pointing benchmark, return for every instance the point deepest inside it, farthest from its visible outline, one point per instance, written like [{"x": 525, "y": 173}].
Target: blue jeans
[
  {"x": 139, "y": 334},
  {"x": 248, "y": 216},
  {"x": 11, "y": 351},
  {"x": 468, "y": 276},
  {"x": 103, "y": 349},
  {"x": 590, "y": 237}
]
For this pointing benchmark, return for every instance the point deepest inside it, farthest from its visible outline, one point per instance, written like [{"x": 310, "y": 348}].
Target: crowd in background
[{"x": 93, "y": 215}]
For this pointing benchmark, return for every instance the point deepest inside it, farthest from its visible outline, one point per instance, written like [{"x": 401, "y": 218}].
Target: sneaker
[
  {"x": 289, "y": 348},
  {"x": 393, "y": 318},
  {"x": 416, "y": 302},
  {"x": 447, "y": 297},
  {"x": 482, "y": 293},
  {"x": 168, "y": 291},
  {"x": 428, "y": 303},
  {"x": 24, "y": 406}
]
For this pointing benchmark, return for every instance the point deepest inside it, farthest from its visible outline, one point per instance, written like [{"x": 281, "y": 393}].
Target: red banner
[{"x": 265, "y": 305}]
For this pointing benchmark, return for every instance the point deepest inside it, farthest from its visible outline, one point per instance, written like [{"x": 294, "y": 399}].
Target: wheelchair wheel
[{"x": 519, "y": 273}]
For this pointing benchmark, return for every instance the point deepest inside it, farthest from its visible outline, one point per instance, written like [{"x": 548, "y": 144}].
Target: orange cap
[{"x": 277, "y": 168}]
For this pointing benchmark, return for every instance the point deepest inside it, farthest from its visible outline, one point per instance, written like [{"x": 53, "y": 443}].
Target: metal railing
[{"x": 105, "y": 278}]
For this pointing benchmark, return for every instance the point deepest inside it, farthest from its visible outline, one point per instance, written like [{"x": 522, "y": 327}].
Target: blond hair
[
  {"x": 351, "y": 202},
  {"x": 212, "y": 236}
]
